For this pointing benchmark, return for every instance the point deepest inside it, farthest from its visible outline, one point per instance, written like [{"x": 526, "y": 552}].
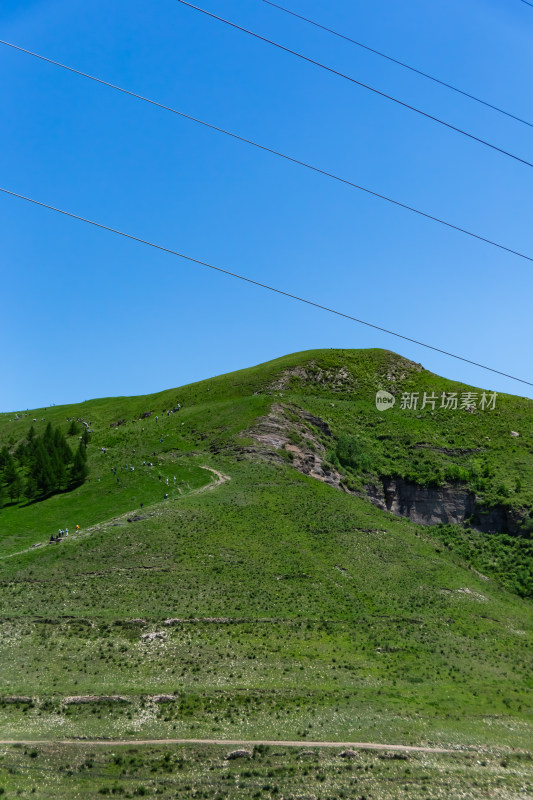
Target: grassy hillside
[{"x": 262, "y": 602}]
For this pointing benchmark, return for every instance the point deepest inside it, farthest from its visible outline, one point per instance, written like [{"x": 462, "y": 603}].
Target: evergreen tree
[
  {"x": 42, "y": 470},
  {"x": 58, "y": 470},
  {"x": 5, "y": 457},
  {"x": 72, "y": 429},
  {"x": 85, "y": 437},
  {"x": 62, "y": 448},
  {"x": 21, "y": 454},
  {"x": 12, "y": 479},
  {"x": 46, "y": 461},
  {"x": 15, "y": 488},
  {"x": 48, "y": 435},
  {"x": 32, "y": 490},
  {"x": 10, "y": 473},
  {"x": 79, "y": 469}
]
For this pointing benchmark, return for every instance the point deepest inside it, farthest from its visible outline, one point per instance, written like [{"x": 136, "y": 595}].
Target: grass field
[
  {"x": 265, "y": 604},
  {"x": 202, "y": 771}
]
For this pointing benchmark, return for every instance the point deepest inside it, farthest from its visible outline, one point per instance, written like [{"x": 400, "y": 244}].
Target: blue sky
[{"x": 87, "y": 314}]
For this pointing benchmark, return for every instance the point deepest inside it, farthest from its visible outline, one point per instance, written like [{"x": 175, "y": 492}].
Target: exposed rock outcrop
[
  {"x": 336, "y": 380},
  {"x": 423, "y": 505},
  {"x": 452, "y": 505},
  {"x": 288, "y": 428},
  {"x": 302, "y": 435}
]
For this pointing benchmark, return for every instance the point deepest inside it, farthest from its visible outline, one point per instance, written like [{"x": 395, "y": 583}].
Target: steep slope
[{"x": 281, "y": 604}]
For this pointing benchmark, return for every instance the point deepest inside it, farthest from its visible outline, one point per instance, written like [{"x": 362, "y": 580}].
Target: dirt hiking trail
[{"x": 402, "y": 748}]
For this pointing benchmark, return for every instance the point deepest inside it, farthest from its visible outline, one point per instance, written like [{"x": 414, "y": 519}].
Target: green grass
[
  {"x": 202, "y": 771},
  {"x": 356, "y": 603},
  {"x": 304, "y": 612}
]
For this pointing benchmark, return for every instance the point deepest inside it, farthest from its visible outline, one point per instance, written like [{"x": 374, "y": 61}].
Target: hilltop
[
  {"x": 315, "y": 411},
  {"x": 320, "y": 568}
]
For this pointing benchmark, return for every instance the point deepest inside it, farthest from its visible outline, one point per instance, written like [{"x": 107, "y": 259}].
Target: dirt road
[{"x": 403, "y": 748}]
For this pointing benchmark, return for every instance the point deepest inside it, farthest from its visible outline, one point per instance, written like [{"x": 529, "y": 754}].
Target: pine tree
[
  {"x": 48, "y": 436},
  {"x": 42, "y": 471},
  {"x": 62, "y": 448},
  {"x": 10, "y": 473},
  {"x": 12, "y": 479},
  {"x": 5, "y": 457},
  {"x": 15, "y": 488},
  {"x": 58, "y": 470},
  {"x": 72, "y": 429},
  {"x": 31, "y": 490},
  {"x": 79, "y": 469},
  {"x": 21, "y": 454}
]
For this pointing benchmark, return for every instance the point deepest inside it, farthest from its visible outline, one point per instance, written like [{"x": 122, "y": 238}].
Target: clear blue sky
[{"x": 86, "y": 314}]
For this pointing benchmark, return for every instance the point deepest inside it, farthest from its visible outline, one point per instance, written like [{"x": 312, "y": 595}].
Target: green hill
[{"x": 272, "y": 594}]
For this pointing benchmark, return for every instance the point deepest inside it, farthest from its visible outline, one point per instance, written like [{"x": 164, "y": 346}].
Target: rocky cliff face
[
  {"x": 448, "y": 504},
  {"x": 423, "y": 505}
]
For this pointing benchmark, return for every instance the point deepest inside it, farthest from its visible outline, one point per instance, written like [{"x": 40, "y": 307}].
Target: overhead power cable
[
  {"x": 527, "y": 4},
  {"x": 256, "y": 283},
  {"x": 270, "y": 150},
  {"x": 358, "y": 83},
  {"x": 400, "y": 63}
]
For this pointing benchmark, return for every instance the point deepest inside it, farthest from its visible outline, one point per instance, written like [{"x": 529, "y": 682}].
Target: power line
[
  {"x": 255, "y": 283},
  {"x": 270, "y": 150},
  {"x": 357, "y": 83},
  {"x": 402, "y": 63},
  {"x": 527, "y": 4}
]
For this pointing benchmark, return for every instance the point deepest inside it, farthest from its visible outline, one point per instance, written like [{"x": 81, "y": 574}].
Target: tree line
[{"x": 41, "y": 466}]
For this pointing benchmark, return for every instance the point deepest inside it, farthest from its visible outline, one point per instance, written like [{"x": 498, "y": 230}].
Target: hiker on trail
[
  {"x": 142, "y": 504},
  {"x": 167, "y": 481},
  {"x": 156, "y": 419},
  {"x": 174, "y": 479},
  {"x": 66, "y": 531},
  {"x": 166, "y": 496},
  {"x": 52, "y": 537},
  {"x": 60, "y": 533},
  {"x": 159, "y": 477},
  {"x": 77, "y": 528}
]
